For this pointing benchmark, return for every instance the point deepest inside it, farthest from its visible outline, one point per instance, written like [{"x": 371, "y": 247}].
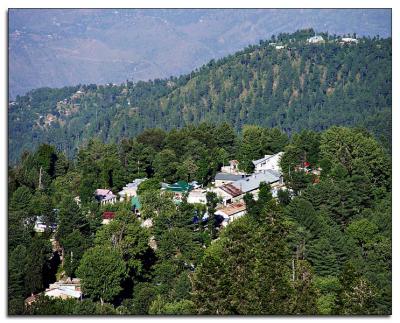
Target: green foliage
[
  {"x": 152, "y": 184},
  {"x": 299, "y": 87},
  {"x": 325, "y": 251},
  {"x": 125, "y": 235},
  {"x": 101, "y": 270}
]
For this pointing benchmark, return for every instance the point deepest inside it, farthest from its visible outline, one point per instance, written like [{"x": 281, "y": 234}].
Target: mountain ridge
[
  {"x": 300, "y": 86},
  {"x": 58, "y": 48}
]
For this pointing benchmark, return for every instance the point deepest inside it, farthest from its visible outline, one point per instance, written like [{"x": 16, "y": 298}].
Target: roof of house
[
  {"x": 104, "y": 194},
  {"x": 108, "y": 215},
  {"x": 133, "y": 185},
  {"x": 199, "y": 192},
  {"x": 265, "y": 158},
  {"x": 179, "y": 187},
  {"x": 228, "y": 177},
  {"x": 232, "y": 209},
  {"x": 316, "y": 38},
  {"x": 135, "y": 202},
  {"x": 253, "y": 182},
  {"x": 65, "y": 291},
  {"x": 231, "y": 190}
]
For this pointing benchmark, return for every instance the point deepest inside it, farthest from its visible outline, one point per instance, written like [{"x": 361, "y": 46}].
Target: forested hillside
[
  {"x": 323, "y": 246},
  {"x": 71, "y": 46},
  {"x": 294, "y": 87}
]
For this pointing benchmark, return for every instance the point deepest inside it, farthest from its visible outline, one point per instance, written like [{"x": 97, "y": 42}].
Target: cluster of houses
[
  {"x": 230, "y": 185},
  {"x": 318, "y": 39}
]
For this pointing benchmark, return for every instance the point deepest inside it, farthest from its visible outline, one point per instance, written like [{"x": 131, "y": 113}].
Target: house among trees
[
  {"x": 107, "y": 217},
  {"x": 234, "y": 192},
  {"x": 232, "y": 168},
  {"x": 130, "y": 189},
  {"x": 226, "y": 178},
  {"x": 231, "y": 212},
  {"x": 70, "y": 288},
  {"x": 136, "y": 205},
  {"x": 179, "y": 189},
  {"x": 197, "y": 196},
  {"x": 315, "y": 39},
  {"x": 41, "y": 225},
  {"x": 268, "y": 162},
  {"x": 349, "y": 40},
  {"x": 105, "y": 196}
]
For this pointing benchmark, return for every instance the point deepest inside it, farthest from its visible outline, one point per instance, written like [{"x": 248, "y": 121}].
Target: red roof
[
  {"x": 306, "y": 164},
  {"x": 231, "y": 190},
  {"x": 108, "y": 215}
]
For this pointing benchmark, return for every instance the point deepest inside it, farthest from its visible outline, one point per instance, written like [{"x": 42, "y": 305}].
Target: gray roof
[
  {"x": 227, "y": 177},
  {"x": 135, "y": 183},
  {"x": 252, "y": 182}
]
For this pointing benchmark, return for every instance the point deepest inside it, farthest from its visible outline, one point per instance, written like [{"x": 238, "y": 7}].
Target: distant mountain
[
  {"x": 56, "y": 48},
  {"x": 285, "y": 82}
]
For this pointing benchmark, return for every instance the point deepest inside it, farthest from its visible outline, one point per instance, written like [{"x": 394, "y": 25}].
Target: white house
[
  {"x": 70, "y": 288},
  {"x": 130, "y": 189},
  {"x": 349, "y": 40},
  {"x": 197, "y": 196},
  {"x": 105, "y": 196},
  {"x": 41, "y": 225},
  {"x": 268, "y": 162},
  {"x": 232, "y": 212},
  {"x": 315, "y": 39},
  {"x": 232, "y": 168}
]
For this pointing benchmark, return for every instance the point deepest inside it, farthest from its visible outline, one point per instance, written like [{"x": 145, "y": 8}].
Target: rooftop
[
  {"x": 231, "y": 190},
  {"x": 178, "y": 187},
  {"x": 233, "y": 208},
  {"x": 266, "y": 157},
  {"x": 228, "y": 177},
  {"x": 135, "y": 202},
  {"x": 108, "y": 215},
  {"x": 253, "y": 182},
  {"x": 104, "y": 194}
]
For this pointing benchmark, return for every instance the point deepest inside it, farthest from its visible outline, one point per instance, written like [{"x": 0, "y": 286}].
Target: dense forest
[
  {"x": 285, "y": 83},
  {"x": 321, "y": 247}
]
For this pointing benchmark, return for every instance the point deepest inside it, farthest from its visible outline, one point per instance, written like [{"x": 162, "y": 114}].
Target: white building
[
  {"x": 232, "y": 168},
  {"x": 105, "y": 196},
  {"x": 42, "y": 226},
  {"x": 70, "y": 288},
  {"x": 130, "y": 189},
  {"x": 232, "y": 212},
  {"x": 268, "y": 162},
  {"x": 315, "y": 40},
  {"x": 197, "y": 196},
  {"x": 349, "y": 40}
]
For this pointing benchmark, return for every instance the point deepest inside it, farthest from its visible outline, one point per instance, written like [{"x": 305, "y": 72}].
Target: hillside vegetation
[
  {"x": 300, "y": 86},
  {"x": 323, "y": 246}
]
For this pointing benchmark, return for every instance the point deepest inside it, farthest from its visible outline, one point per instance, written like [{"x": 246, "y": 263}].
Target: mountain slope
[{"x": 300, "y": 86}]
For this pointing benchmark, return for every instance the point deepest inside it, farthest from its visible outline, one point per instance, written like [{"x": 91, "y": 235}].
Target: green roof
[
  {"x": 136, "y": 203},
  {"x": 179, "y": 187}
]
